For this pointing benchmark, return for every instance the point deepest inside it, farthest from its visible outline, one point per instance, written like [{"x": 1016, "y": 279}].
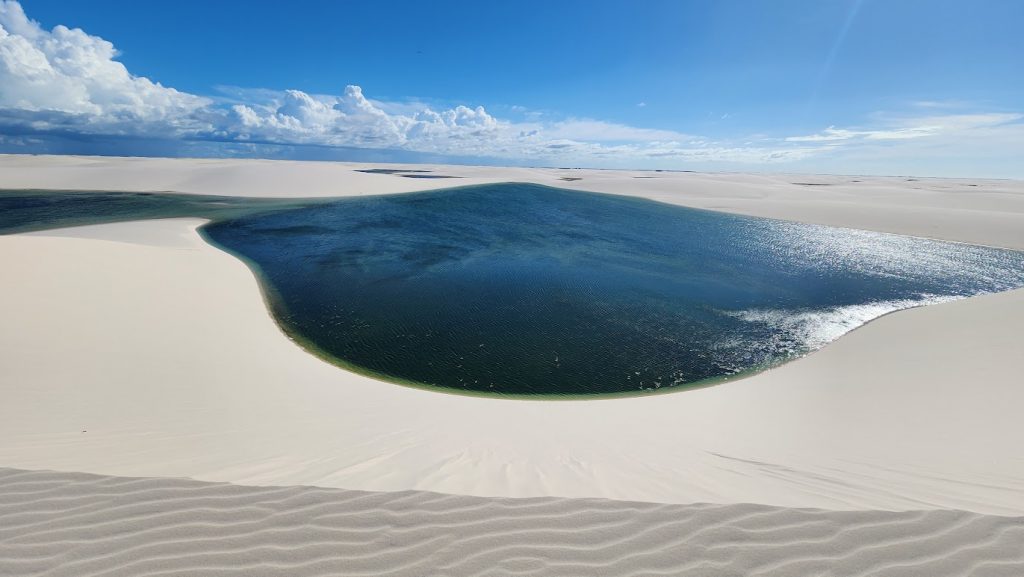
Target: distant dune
[{"x": 980, "y": 211}]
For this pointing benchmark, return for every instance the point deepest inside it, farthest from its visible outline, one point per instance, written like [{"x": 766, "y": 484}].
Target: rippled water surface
[{"x": 523, "y": 289}]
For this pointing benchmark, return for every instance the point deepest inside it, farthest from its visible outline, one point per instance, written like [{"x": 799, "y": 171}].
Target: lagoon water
[
  {"x": 529, "y": 290},
  {"x": 523, "y": 289}
]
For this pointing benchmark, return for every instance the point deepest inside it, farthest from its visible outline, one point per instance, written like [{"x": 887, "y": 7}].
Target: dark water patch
[
  {"x": 30, "y": 210},
  {"x": 390, "y": 170},
  {"x": 404, "y": 173},
  {"x": 297, "y": 229}
]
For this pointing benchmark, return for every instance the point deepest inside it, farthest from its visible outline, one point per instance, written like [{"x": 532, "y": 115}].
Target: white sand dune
[
  {"x": 138, "y": 350},
  {"x": 76, "y": 525}
]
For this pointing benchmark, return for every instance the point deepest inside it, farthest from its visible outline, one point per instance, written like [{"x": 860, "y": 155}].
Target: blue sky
[{"x": 851, "y": 86}]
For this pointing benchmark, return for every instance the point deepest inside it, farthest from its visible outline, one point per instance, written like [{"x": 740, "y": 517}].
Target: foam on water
[{"x": 809, "y": 330}]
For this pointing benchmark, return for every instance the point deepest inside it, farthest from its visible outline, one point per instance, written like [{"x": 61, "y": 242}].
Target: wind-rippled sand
[{"x": 80, "y": 525}]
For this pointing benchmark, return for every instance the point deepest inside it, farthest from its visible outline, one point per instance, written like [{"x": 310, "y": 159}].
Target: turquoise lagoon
[{"x": 520, "y": 289}]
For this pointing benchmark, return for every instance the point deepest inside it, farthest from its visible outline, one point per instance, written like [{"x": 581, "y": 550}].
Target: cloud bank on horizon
[{"x": 65, "y": 84}]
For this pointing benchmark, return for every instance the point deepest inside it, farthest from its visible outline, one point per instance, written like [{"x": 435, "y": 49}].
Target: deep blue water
[{"x": 522, "y": 289}]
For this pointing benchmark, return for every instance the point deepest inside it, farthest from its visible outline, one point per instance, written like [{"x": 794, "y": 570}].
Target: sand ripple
[{"x": 87, "y": 525}]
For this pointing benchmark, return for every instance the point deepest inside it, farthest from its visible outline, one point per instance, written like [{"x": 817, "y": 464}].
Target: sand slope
[
  {"x": 154, "y": 355},
  {"x": 76, "y": 525}
]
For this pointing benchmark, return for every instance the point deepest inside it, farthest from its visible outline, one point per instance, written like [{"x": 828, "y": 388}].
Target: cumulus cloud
[
  {"x": 67, "y": 77},
  {"x": 352, "y": 120}
]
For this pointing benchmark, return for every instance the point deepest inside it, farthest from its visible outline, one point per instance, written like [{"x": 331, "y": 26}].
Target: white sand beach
[{"x": 138, "y": 350}]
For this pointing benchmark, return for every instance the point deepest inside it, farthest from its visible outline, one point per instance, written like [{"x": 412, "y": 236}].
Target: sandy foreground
[
  {"x": 131, "y": 527},
  {"x": 137, "y": 350}
]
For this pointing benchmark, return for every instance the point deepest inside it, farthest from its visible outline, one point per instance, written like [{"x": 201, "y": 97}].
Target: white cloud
[
  {"x": 352, "y": 120},
  {"x": 600, "y": 131},
  {"x": 833, "y": 134},
  {"x": 967, "y": 144},
  {"x": 711, "y": 153},
  {"x": 69, "y": 77},
  {"x": 915, "y": 127}
]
